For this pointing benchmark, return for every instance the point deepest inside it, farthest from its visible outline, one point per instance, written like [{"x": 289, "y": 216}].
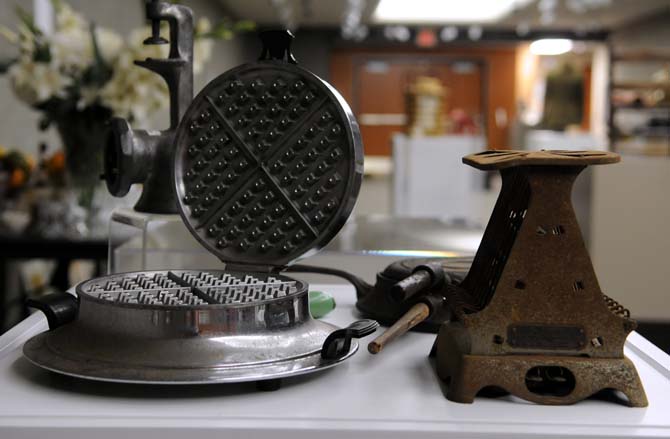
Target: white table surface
[{"x": 394, "y": 394}]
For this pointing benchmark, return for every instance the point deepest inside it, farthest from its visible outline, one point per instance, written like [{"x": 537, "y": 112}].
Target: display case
[
  {"x": 147, "y": 241},
  {"x": 639, "y": 119}
]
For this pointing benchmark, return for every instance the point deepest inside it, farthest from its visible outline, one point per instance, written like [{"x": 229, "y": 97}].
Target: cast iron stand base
[{"x": 467, "y": 374}]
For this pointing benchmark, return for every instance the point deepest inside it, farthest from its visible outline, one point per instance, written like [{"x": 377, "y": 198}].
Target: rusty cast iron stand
[{"x": 537, "y": 324}]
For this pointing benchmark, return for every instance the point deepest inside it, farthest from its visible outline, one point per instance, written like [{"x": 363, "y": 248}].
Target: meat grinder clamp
[{"x": 141, "y": 156}]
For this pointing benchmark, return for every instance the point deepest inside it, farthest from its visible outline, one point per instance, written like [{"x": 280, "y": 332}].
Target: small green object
[{"x": 320, "y": 303}]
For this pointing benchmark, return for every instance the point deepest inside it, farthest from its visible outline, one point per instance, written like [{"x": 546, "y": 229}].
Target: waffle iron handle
[
  {"x": 338, "y": 343},
  {"x": 277, "y": 45},
  {"x": 59, "y": 308}
]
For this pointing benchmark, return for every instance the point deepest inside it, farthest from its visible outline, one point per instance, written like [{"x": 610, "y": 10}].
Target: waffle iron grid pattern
[
  {"x": 266, "y": 163},
  {"x": 174, "y": 288}
]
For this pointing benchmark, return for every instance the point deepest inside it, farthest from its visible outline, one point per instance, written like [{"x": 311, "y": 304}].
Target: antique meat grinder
[{"x": 145, "y": 157}]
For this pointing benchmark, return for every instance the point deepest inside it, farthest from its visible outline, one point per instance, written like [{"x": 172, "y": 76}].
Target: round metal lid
[{"x": 268, "y": 164}]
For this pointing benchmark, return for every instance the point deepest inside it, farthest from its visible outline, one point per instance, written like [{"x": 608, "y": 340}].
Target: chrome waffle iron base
[
  {"x": 187, "y": 327},
  {"x": 40, "y": 353}
]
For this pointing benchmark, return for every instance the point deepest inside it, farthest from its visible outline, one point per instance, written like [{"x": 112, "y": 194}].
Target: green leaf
[
  {"x": 42, "y": 52},
  {"x": 57, "y": 5},
  {"x": 17, "y": 160},
  {"x": 100, "y": 71},
  {"x": 27, "y": 19},
  {"x": 5, "y": 64},
  {"x": 227, "y": 29},
  {"x": 244, "y": 26},
  {"x": 44, "y": 123}
]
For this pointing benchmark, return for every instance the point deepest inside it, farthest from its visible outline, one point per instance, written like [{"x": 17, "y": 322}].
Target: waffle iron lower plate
[
  {"x": 187, "y": 327},
  {"x": 39, "y": 351}
]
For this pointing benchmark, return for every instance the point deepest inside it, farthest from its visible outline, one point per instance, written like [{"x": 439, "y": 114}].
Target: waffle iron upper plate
[{"x": 268, "y": 164}]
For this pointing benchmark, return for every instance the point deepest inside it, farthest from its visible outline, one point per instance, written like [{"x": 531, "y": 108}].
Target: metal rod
[{"x": 416, "y": 314}]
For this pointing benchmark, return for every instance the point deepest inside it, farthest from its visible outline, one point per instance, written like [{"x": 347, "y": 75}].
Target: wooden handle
[{"x": 416, "y": 314}]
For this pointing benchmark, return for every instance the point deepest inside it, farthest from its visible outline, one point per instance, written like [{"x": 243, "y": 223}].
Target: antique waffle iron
[{"x": 267, "y": 166}]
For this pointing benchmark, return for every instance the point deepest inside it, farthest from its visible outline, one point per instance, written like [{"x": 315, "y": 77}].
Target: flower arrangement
[
  {"x": 80, "y": 75},
  {"x": 81, "y": 65}
]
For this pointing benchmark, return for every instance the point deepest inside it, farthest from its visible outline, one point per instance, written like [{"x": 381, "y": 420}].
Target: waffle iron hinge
[
  {"x": 253, "y": 268},
  {"x": 538, "y": 325}
]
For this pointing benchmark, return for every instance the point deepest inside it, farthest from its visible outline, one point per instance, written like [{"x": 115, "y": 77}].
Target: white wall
[{"x": 630, "y": 239}]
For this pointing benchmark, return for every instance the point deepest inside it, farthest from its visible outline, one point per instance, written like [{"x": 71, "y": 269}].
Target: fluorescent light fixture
[
  {"x": 550, "y": 46},
  {"x": 444, "y": 11}
]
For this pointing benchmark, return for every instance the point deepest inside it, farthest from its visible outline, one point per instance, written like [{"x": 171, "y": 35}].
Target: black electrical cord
[{"x": 362, "y": 288}]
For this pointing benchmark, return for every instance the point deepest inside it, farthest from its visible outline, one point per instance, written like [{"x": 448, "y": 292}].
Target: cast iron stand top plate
[{"x": 500, "y": 159}]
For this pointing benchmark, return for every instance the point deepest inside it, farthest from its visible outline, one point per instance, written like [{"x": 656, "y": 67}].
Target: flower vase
[{"x": 83, "y": 135}]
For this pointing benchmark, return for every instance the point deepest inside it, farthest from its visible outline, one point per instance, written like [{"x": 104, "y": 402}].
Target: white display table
[{"x": 394, "y": 394}]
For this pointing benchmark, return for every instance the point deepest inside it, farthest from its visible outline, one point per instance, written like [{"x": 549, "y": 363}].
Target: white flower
[
  {"x": 71, "y": 44},
  {"x": 110, "y": 43},
  {"x": 134, "y": 92},
  {"x": 35, "y": 82},
  {"x": 72, "y": 51},
  {"x": 67, "y": 20}
]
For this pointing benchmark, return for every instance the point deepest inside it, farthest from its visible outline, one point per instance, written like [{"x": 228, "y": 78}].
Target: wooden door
[
  {"x": 381, "y": 84},
  {"x": 374, "y": 82}
]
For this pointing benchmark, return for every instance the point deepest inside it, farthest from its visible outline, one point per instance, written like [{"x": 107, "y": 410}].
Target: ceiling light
[
  {"x": 550, "y": 46},
  {"x": 522, "y": 29},
  {"x": 449, "y": 33},
  {"x": 397, "y": 33},
  {"x": 431, "y": 11},
  {"x": 475, "y": 32}
]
